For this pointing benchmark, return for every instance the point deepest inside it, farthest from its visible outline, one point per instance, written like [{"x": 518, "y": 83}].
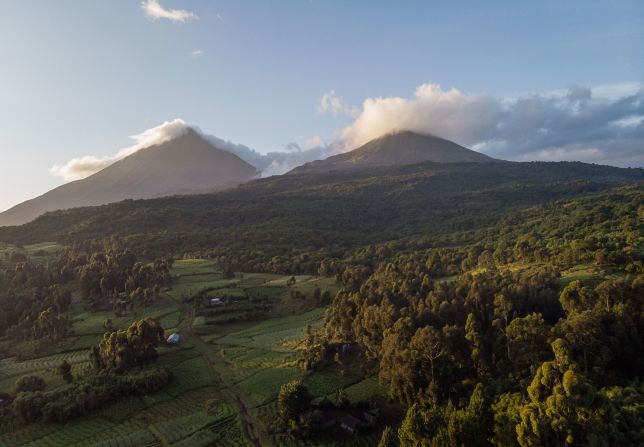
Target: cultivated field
[{"x": 228, "y": 367}]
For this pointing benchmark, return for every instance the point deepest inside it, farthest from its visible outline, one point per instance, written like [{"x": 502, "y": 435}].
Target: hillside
[
  {"x": 395, "y": 149},
  {"x": 185, "y": 165},
  {"x": 329, "y": 214}
]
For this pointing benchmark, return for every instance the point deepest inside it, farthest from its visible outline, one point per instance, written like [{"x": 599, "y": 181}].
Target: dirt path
[{"x": 188, "y": 333}]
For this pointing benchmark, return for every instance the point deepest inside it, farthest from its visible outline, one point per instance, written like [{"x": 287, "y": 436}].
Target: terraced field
[{"x": 240, "y": 365}]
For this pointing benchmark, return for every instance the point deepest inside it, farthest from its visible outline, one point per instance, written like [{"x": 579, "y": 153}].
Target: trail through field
[{"x": 188, "y": 333}]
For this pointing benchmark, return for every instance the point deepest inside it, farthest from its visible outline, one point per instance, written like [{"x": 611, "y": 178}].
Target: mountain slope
[
  {"x": 401, "y": 148},
  {"x": 187, "y": 164},
  {"x": 324, "y": 215}
]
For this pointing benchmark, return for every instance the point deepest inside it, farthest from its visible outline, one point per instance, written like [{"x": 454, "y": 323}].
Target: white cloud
[
  {"x": 587, "y": 124},
  {"x": 449, "y": 114},
  {"x": 81, "y": 167},
  {"x": 331, "y": 102},
  {"x": 314, "y": 141},
  {"x": 272, "y": 163},
  {"x": 630, "y": 121},
  {"x": 602, "y": 124},
  {"x": 196, "y": 53},
  {"x": 616, "y": 91},
  {"x": 278, "y": 162},
  {"x": 154, "y": 11}
]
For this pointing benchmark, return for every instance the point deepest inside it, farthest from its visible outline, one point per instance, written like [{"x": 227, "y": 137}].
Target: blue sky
[{"x": 78, "y": 77}]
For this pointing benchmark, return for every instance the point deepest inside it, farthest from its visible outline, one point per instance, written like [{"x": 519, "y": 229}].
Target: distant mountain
[
  {"x": 187, "y": 164},
  {"x": 395, "y": 149}
]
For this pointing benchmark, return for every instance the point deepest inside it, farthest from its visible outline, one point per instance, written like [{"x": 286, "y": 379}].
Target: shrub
[{"x": 30, "y": 383}]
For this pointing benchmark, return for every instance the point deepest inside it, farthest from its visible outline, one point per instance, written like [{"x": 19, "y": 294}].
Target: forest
[{"x": 482, "y": 306}]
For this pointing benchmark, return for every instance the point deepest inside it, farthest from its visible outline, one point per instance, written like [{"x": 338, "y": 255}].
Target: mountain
[
  {"x": 187, "y": 164},
  {"x": 326, "y": 215},
  {"x": 394, "y": 149}
]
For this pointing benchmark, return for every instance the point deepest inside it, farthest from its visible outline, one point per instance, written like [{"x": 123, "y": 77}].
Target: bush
[
  {"x": 65, "y": 371},
  {"x": 68, "y": 402},
  {"x": 293, "y": 399},
  {"x": 30, "y": 383}
]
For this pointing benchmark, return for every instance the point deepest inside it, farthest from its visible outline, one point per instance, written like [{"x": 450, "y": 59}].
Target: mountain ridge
[
  {"x": 187, "y": 164},
  {"x": 396, "y": 149}
]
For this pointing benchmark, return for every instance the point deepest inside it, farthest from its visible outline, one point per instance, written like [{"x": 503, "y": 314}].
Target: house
[
  {"x": 350, "y": 423},
  {"x": 216, "y": 302},
  {"x": 173, "y": 339}
]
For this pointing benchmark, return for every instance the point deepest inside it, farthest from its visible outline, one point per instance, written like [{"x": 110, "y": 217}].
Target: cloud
[
  {"x": 314, "y": 141},
  {"x": 331, "y": 102},
  {"x": 154, "y": 11},
  {"x": 278, "y": 162},
  {"x": 272, "y": 163},
  {"x": 603, "y": 124},
  {"x": 196, "y": 53},
  {"x": 81, "y": 167}
]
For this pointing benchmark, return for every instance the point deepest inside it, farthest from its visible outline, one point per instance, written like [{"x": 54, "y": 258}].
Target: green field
[
  {"x": 241, "y": 364},
  {"x": 42, "y": 249}
]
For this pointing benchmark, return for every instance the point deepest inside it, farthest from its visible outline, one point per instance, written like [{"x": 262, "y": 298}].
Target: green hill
[{"x": 327, "y": 215}]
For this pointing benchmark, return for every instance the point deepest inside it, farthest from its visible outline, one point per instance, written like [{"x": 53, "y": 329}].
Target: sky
[{"x": 300, "y": 79}]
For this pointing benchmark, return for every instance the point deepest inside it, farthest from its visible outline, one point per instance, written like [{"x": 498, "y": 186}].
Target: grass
[
  {"x": 185, "y": 267},
  {"x": 35, "y": 251},
  {"x": 586, "y": 273},
  {"x": 328, "y": 381},
  {"x": 190, "y": 374},
  {"x": 91, "y": 322},
  {"x": 365, "y": 390},
  {"x": 11, "y": 369},
  {"x": 262, "y": 387}
]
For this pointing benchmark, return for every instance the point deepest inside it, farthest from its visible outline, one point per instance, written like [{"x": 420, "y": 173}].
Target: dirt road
[{"x": 188, "y": 333}]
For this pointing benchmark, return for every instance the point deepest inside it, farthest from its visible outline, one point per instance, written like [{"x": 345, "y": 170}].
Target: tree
[
  {"x": 478, "y": 349},
  {"x": 477, "y": 420},
  {"x": 502, "y": 311},
  {"x": 413, "y": 431},
  {"x": 121, "y": 350},
  {"x": 428, "y": 343},
  {"x": 293, "y": 398},
  {"x": 506, "y": 417},
  {"x": 429, "y": 427},
  {"x": 65, "y": 371},
  {"x": 388, "y": 438},
  {"x": 108, "y": 325},
  {"x": 528, "y": 342},
  {"x": 564, "y": 409},
  {"x": 51, "y": 325},
  {"x": 30, "y": 383},
  {"x": 575, "y": 298}
]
